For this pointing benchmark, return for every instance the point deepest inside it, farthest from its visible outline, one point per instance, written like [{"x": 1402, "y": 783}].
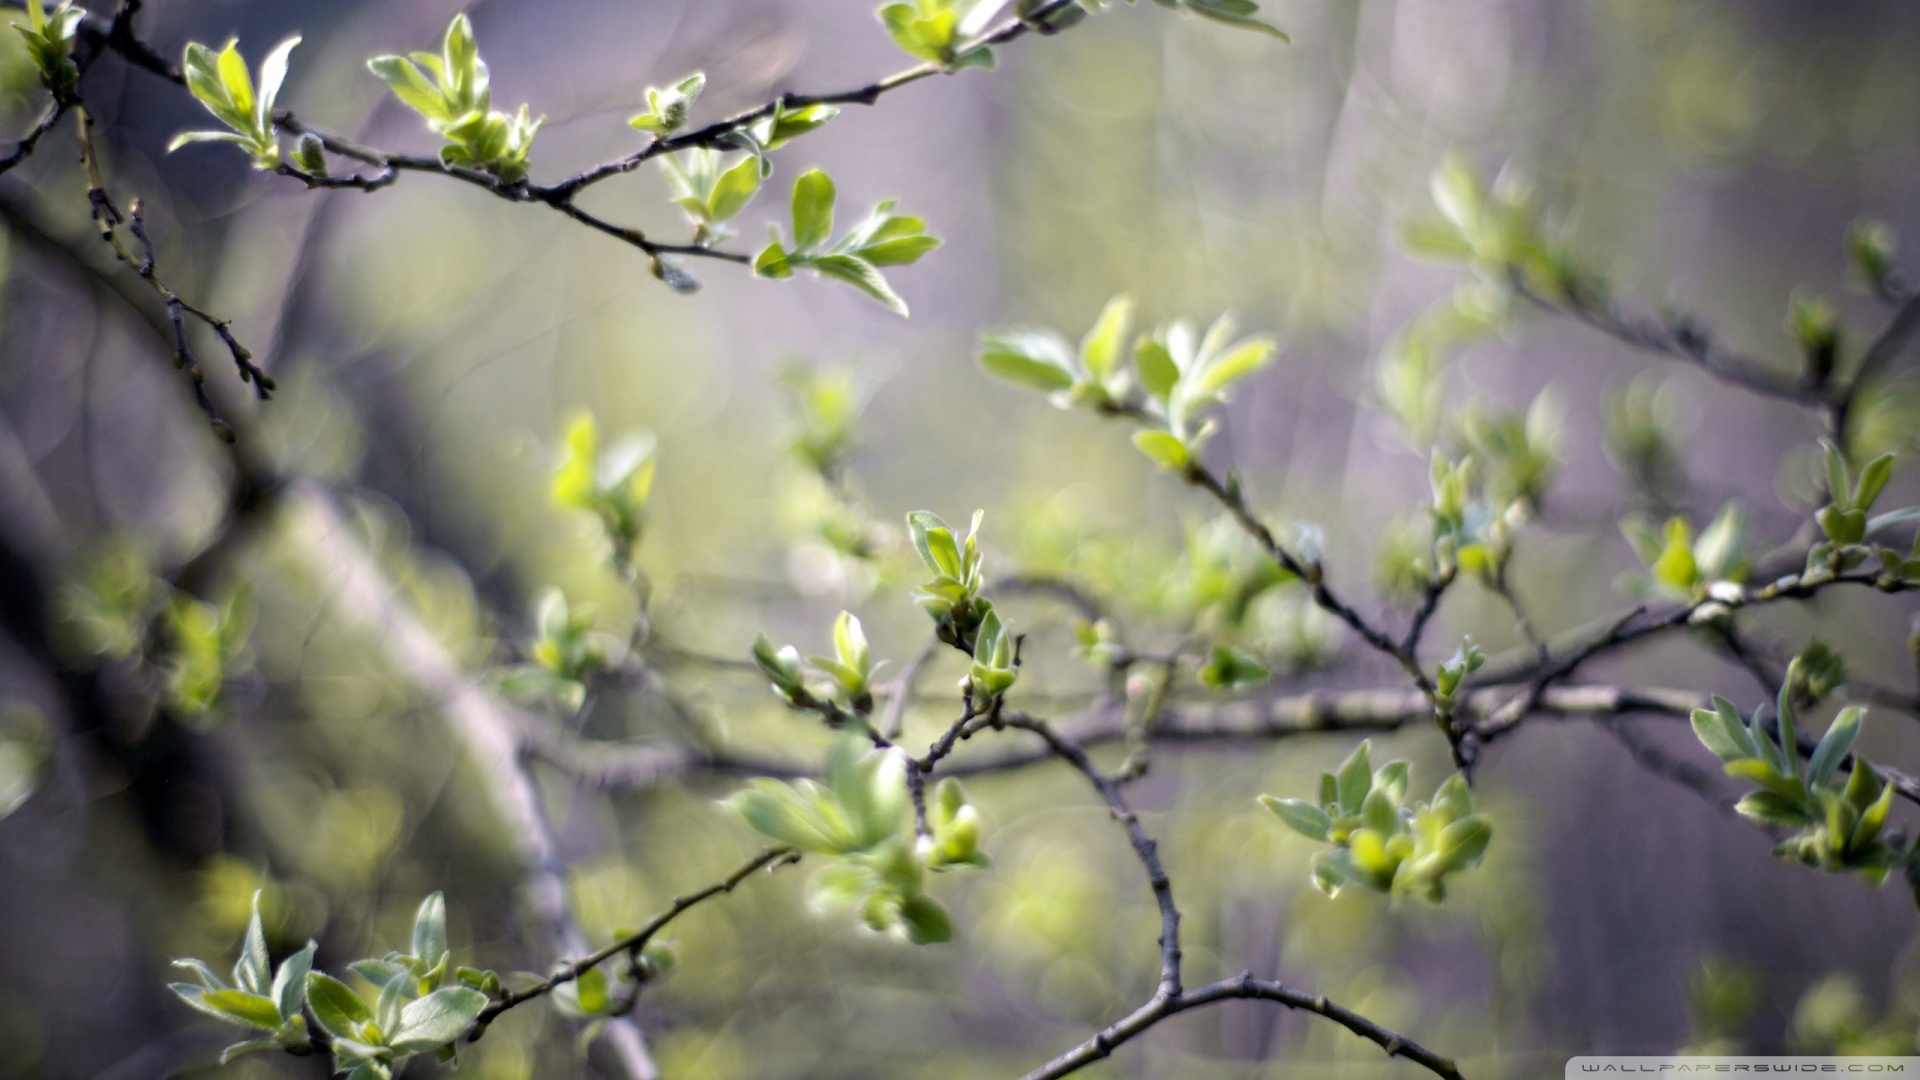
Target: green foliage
[
  {"x": 1452, "y": 672},
  {"x": 952, "y": 593},
  {"x": 1179, "y": 373},
  {"x": 567, "y": 651},
  {"x": 106, "y": 608},
  {"x": 1228, "y": 668},
  {"x": 26, "y": 755},
  {"x": 711, "y": 190},
  {"x": 667, "y": 109},
  {"x": 422, "y": 1004},
  {"x": 1870, "y": 249},
  {"x": 861, "y": 821},
  {"x": 1684, "y": 567},
  {"x": 939, "y": 31},
  {"x": 1183, "y": 374},
  {"x": 222, "y": 83},
  {"x": 49, "y": 37},
  {"x": 1838, "y": 825},
  {"x": 1379, "y": 844},
  {"x": 847, "y": 673},
  {"x": 851, "y": 666},
  {"x": 995, "y": 659},
  {"x": 884, "y": 238},
  {"x": 1093, "y": 375},
  {"x": 260, "y": 996},
  {"x": 205, "y": 639},
  {"x": 1845, "y": 525},
  {"x": 457, "y": 105},
  {"x": 613, "y": 485},
  {"x": 955, "y": 825}
]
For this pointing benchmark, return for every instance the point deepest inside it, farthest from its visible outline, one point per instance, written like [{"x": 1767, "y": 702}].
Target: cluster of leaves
[
  {"x": 861, "y": 821},
  {"x": 941, "y": 31},
  {"x": 223, "y": 84},
  {"x": 205, "y": 641},
  {"x": 1839, "y": 826},
  {"x": 1846, "y": 526},
  {"x": 120, "y": 610},
  {"x": 422, "y": 1004},
  {"x": 962, "y": 616},
  {"x": 49, "y": 36},
  {"x": 1452, "y": 674},
  {"x": 1178, "y": 371},
  {"x": 1379, "y": 844},
  {"x": 883, "y": 238},
  {"x": 457, "y": 105},
  {"x": 1687, "y": 567},
  {"x": 613, "y": 485},
  {"x": 848, "y": 672},
  {"x": 945, "y": 32},
  {"x": 566, "y": 652}
]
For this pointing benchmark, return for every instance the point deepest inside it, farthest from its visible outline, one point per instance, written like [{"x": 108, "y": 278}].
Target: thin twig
[{"x": 772, "y": 859}]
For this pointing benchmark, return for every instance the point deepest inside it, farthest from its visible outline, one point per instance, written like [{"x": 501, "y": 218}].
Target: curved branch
[{"x": 1242, "y": 987}]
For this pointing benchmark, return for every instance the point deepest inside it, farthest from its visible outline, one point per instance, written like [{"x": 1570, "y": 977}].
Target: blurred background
[{"x": 431, "y": 341}]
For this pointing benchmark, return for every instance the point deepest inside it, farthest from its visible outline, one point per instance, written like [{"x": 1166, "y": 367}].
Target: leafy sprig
[
  {"x": 222, "y": 83},
  {"x": 883, "y": 238},
  {"x": 1838, "y": 825},
  {"x": 1378, "y": 843},
  {"x": 457, "y": 104}
]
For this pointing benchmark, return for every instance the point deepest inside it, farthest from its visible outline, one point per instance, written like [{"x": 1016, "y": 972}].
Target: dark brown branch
[
  {"x": 1882, "y": 352},
  {"x": 1143, "y": 845},
  {"x": 720, "y": 133},
  {"x": 1676, "y": 336},
  {"x": 24, "y": 149},
  {"x": 1243, "y": 987}
]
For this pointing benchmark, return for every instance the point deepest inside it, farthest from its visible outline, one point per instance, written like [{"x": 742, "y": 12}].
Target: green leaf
[
  {"x": 1711, "y": 731},
  {"x": 253, "y": 972},
  {"x": 290, "y": 982},
  {"x": 430, "y": 930},
  {"x": 1355, "y": 778},
  {"x": 1299, "y": 815},
  {"x": 733, "y": 190},
  {"x": 926, "y": 921},
  {"x": 1833, "y": 747},
  {"x": 273, "y": 72},
  {"x": 336, "y": 1006},
  {"x": 1243, "y": 360},
  {"x": 1235, "y": 13},
  {"x": 1379, "y": 813},
  {"x": 773, "y": 262},
  {"x": 1873, "y": 478},
  {"x": 235, "y": 80},
  {"x": 861, "y": 274},
  {"x": 227, "y": 1054},
  {"x": 1391, "y": 778},
  {"x": 1772, "y": 808},
  {"x": 437, "y": 1019},
  {"x": 1839, "y": 490},
  {"x": 1158, "y": 372},
  {"x": 1100, "y": 349},
  {"x": 1163, "y": 447},
  {"x": 411, "y": 87},
  {"x": 187, "y": 138},
  {"x": 1462, "y": 843},
  {"x": 813, "y": 198},
  {"x": 245, "y": 1007},
  {"x": 1004, "y": 360}
]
